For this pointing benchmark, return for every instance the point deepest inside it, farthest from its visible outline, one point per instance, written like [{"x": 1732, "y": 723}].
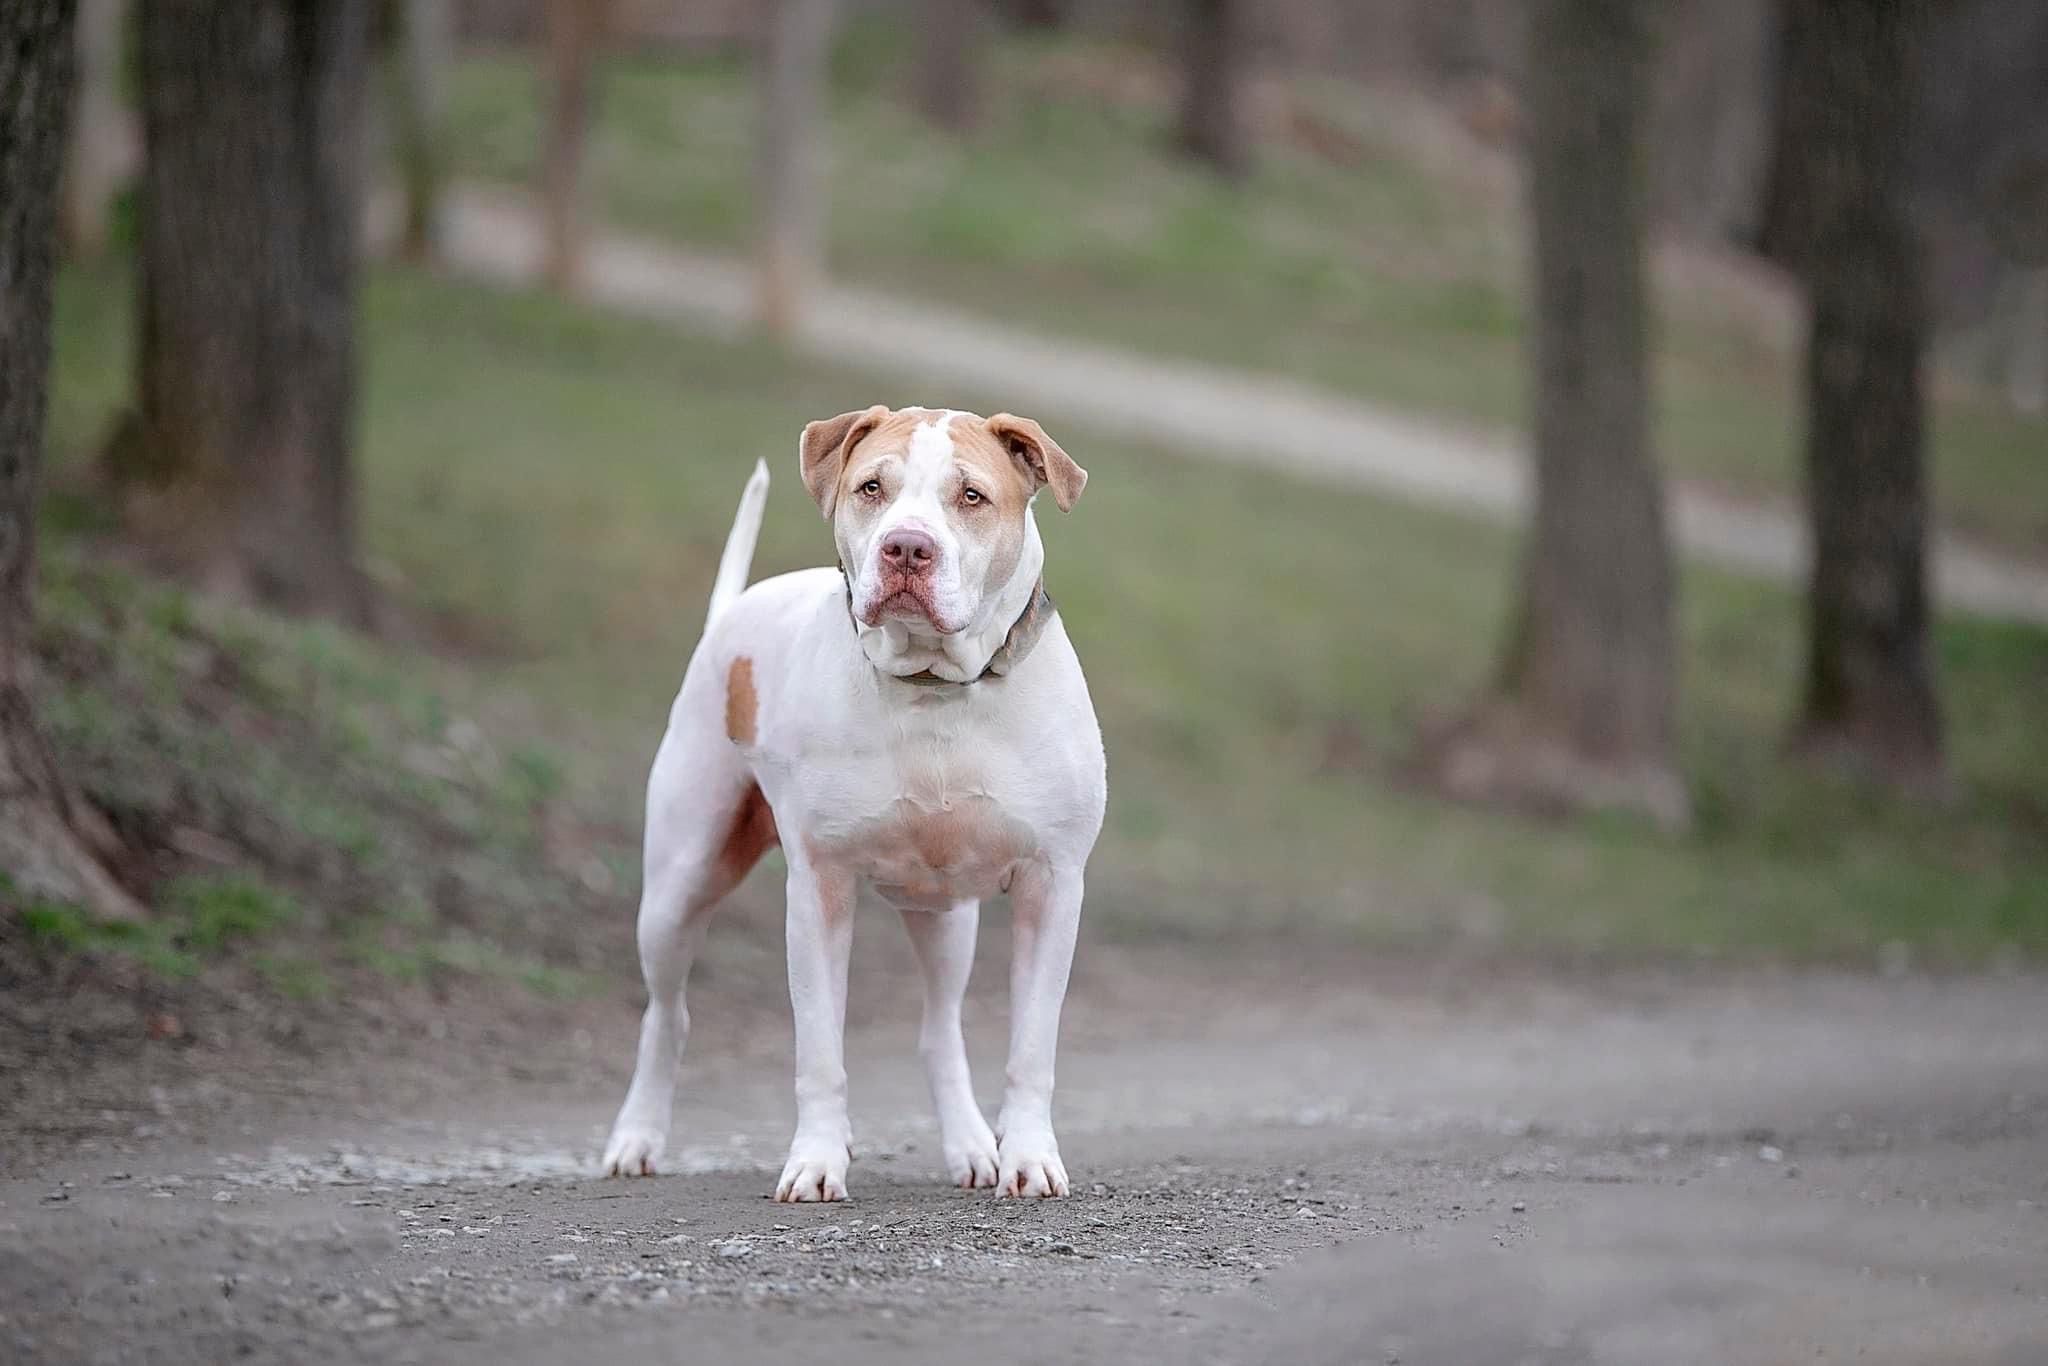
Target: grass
[
  {"x": 559, "y": 483},
  {"x": 1360, "y": 269},
  {"x": 285, "y": 788},
  {"x": 198, "y": 917}
]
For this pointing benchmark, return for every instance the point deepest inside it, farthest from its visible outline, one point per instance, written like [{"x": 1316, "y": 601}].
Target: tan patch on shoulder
[{"x": 740, "y": 701}]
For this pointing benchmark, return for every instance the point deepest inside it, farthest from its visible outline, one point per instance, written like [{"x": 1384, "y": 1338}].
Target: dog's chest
[{"x": 930, "y": 823}]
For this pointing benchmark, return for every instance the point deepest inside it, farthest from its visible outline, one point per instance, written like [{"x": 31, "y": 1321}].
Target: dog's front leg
[
  {"x": 820, "y": 935},
  {"x": 944, "y": 941},
  {"x": 1045, "y": 916}
]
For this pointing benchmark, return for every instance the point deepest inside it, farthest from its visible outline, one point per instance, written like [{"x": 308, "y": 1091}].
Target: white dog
[{"x": 915, "y": 720}]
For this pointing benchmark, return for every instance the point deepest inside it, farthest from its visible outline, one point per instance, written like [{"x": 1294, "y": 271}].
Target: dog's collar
[{"x": 1022, "y": 637}]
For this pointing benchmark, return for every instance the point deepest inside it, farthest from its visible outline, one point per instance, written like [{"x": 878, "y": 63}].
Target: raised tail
[{"x": 738, "y": 558}]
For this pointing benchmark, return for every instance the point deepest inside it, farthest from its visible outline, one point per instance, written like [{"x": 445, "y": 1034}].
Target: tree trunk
[
  {"x": 425, "y": 39},
  {"x": 573, "y": 28},
  {"x": 1212, "y": 125},
  {"x": 253, "y": 121},
  {"x": 101, "y": 154},
  {"x": 44, "y": 829},
  {"x": 949, "y": 68},
  {"x": 1784, "y": 226},
  {"x": 1583, "y": 712},
  {"x": 1870, "y": 693},
  {"x": 793, "y": 75}
]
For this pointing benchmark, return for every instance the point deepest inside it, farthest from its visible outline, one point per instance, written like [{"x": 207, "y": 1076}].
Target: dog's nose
[{"x": 909, "y": 550}]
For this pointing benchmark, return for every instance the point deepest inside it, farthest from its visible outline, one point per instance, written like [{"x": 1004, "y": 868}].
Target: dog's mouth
[{"x": 903, "y": 603}]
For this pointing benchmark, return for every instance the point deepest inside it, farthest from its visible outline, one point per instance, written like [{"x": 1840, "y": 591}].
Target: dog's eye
[
  {"x": 872, "y": 488},
  {"x": 971, "y": 496}
]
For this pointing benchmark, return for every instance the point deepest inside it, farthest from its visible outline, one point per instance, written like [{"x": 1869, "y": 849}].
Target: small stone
[
  {"x": 1769, "y": 1153},
  {"x": 562, "y": 1259},
  {"x": 737, "y": 1247},
  {"x": 1519, "y": 1207}
]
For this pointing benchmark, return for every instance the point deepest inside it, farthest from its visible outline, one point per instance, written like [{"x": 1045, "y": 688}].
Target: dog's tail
[{"x": 738, "y": 558}]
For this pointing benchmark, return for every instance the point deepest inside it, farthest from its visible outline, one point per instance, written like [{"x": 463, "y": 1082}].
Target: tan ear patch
[
  {"x": 1052, "y": 467},
  {"x": 740, "y": 702},
  {"x": 822, "y": 452},
  {"x": 990, "y": 465}
]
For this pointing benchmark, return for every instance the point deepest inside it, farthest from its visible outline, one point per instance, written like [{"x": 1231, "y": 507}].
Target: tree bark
[
  {"x": 45, "y": 831},
  {"x": 252, "y": 117},
  {"x": 573, "y": 28},
  {"x": 949, "y": 68},
  {"x": 425, "y": 39},
  {"x": 1870, "y": 692},
  {"x": 793, "y": 74},
  {"x": 101, "y": 153},
  {"x": 1784, "y": 226},
  {"x": 1582, "y": 713},
  {"x": 1212, "y": 124}
]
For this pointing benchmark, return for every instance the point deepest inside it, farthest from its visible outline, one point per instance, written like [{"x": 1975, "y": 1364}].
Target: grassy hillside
[
  {"x": 553, "y": 487},
  {"x": 313, "y": 806},
  {"x": 1352, "y": 259}
]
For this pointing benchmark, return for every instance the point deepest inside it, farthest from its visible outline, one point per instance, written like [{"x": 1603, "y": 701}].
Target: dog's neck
[{"x": 1003, "y": 631}]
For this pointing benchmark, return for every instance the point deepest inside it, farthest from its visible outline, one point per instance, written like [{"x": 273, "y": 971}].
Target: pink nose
[{"x": 909, "y": 550}]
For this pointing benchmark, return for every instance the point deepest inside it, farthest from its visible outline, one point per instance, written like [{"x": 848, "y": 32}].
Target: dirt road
[{"x": 1413, "y": 1162}]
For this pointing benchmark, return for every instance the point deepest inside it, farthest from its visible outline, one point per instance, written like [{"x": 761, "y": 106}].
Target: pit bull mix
[{"x": 915, "y": 720}]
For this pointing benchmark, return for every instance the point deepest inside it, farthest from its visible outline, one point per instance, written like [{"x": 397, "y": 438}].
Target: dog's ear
[
  {"x": 826, "y": 444},
  {"x": 1049, "y": 465}
]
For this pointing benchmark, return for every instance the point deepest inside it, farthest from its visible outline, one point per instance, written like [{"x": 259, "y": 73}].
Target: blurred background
[
  {"x": 1465, "y": 388},
  {"x": 1564, "y": 580}
]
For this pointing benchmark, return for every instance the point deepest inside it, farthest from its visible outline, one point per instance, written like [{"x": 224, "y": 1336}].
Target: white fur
[{"x": 870, "y": 779}]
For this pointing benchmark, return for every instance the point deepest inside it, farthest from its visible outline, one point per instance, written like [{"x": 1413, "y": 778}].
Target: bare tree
[
  {"x": 949, "y": 68},
  {"x": 425, "y": 37},
  {"x": 1582, "y": 712},
  {"x": 1870, "y": 692},
  {"x": 101, "y": 153},
  {"x": 573, "y": 30},
  {"x": 1212, "y": 120},
  {"x": 46, "y": 834},
  {"x": 252, "y": 117},
  {"x": 793, "y": 70}
]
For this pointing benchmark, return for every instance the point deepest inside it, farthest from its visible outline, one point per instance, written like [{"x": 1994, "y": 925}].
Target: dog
[{"x": 915, "y": 721}]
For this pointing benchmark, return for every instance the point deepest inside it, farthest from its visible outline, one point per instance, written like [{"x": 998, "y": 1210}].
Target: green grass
[
  {"x": 198, "y": 917},
  {"x": 1067, "y": 211},
  {"x": 1259, "y": 649},
  {"x": 283, "y": 786}
]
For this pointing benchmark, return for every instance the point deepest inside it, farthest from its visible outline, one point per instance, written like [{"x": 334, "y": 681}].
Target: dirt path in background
[
  {"x": 1179, "y": 405},
  {"x": 1355, "y": 1163}
]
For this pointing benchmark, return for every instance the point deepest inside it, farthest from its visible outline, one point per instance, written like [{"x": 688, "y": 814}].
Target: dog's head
[{"x": 931, "y": 509}]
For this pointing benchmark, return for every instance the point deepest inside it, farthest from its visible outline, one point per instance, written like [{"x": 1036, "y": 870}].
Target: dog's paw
[
  {"x": 633, "y": 1151},
  {"x": 970, "y": 1152},
  {"x": 1029, "y": 1165},
  {"x": 816, "y": 1170}
]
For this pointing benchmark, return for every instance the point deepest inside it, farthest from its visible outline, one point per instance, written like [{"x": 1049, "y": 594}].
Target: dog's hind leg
[{"x": 707, "y": 824}]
